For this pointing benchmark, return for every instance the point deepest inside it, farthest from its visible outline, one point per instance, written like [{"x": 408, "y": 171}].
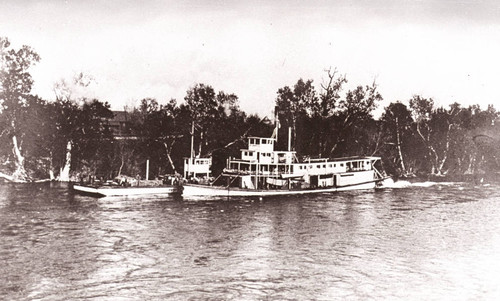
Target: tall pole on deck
[
  {"x": 289, "y": 138},
  {"x": 147, "y": 169},
  {"x": 192, "y": 142},
  {"x": 256, "y": 175},
  {"x": 276, "y": 124}
]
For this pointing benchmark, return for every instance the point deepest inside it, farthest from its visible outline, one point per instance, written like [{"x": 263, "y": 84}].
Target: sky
[{"x": 445, "y": 50}]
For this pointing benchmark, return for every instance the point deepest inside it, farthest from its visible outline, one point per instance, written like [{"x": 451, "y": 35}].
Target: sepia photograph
[{"x": 249, "y": 150}]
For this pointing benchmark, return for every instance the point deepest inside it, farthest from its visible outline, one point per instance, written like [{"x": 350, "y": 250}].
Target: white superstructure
[{"x": 261, "y": 167}]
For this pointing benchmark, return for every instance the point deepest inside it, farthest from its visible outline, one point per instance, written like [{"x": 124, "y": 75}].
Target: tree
[
  {"x": 16, "y": 84},
  {"x": 156, "y": 125},
  {"x": 397, "y": 122},
  {"x": 201, "y": 101},
  {"x": 81, "y": 138},
  {"x": 356, "y": 107},
  {"x": 69, "y": 109},
  {"x": 329, "y": 98},
  {"x": 208, "y": 111},
  {"x": 295, "y": 105},
  {"x": 435, "y": 127}
]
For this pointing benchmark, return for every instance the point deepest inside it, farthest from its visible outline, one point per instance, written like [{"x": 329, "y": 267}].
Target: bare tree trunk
[
  {"x": 7, "y": 177},
  {"x": 377, "y": 144},
  {"x": 447, "y": 148},
  {"x": 168, "y": 156},
  {"x": 64, "y": 174},
  {"x": 51, "y": 168},
  {"x": 334, "y": 147},
  {"x": 470, "y": 168},
  {"x": 432, "y": 152},
  {"x": 121, "y": 165},
  {"x": 20, "y": 174},
  {"x": 201, "y": 142},
  {"x": 403, "y": 169}
]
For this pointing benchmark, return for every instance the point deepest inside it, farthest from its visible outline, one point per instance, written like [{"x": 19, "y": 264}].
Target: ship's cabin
[
  {"x": 261, "y": 150},
  {"x": 197, "y": 167},
  {"x": 260, "y": 144}
]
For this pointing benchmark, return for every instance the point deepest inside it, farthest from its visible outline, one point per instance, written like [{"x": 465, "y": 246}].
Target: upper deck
[{"x": 262, "y": 158}]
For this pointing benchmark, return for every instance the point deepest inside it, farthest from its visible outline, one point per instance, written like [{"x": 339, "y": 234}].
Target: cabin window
[
  {"x": 324, "y": 165},
  {"x": 310, "y": 166},
  {"x": 334, "y": 165},
  {"x": 318, "y": 166},
  {"x": 341, "y": 164},
  {"x": 329, "y": 165}
]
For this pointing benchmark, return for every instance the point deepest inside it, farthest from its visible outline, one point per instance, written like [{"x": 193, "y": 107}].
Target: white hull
[
  {"x": 126, "y": 191},
  {"x": 193, "y": 190}
]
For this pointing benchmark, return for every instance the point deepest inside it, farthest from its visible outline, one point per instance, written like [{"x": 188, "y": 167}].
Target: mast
[
  {"x": 276, "y": 124},
  {"x": 192, "y": 142}
]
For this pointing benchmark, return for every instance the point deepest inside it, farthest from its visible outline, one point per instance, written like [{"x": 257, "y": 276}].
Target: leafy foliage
[{"x": 418, "y": 138}]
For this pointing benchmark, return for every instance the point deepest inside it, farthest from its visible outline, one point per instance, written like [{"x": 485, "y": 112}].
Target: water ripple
[{"x": 414, "y": 241}]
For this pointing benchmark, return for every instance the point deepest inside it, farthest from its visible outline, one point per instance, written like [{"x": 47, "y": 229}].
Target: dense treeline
[{"x": 67, "y": 138}]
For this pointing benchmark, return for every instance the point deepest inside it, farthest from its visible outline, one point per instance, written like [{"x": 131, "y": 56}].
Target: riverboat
[
  {"x": 104, "y": 191},
  {"x": 262, "y": 171},
  {"x": 129, "y": 188}
]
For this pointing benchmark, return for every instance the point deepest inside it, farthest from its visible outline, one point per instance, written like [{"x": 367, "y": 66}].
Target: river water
[{"x": 421, "y": 241}]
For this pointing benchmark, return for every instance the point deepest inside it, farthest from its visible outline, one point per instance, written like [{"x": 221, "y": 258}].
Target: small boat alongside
[
  {"x": 111, "y": 190},
  {"x": 262, "y": 171},
  {"x": 167, "y": 187}
]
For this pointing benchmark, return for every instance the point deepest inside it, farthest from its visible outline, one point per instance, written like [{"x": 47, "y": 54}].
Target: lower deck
[
  {"x": 288, "y": 181},
  {"x": 194, "y": 190}
]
